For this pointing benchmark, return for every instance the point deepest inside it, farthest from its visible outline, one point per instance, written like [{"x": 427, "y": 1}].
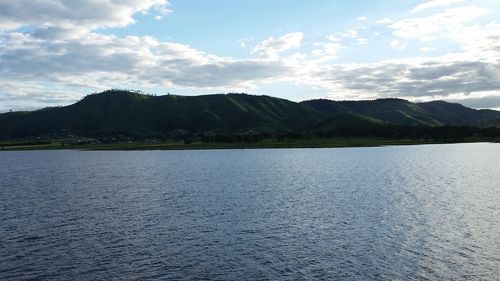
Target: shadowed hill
[
  {"x": 403, "y": 112},
  {"x": 136, "y": 114},
  {"x": 457, "y": 114}
]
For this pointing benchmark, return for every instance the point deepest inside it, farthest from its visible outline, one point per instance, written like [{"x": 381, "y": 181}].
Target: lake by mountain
[{"x": 392, "y": 213}]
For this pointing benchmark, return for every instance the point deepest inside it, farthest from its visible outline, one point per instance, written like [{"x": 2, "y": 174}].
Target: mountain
[
  {"x": 403, "y": 112},
  {"x": 137, "y": 114},
  {"x": 457, "y": 114},
  {"x": 124, "y": 112}
]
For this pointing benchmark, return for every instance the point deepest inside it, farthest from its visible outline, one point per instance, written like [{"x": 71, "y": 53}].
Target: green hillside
[
  {"x": 403, "y": 112},
  {"x": 138, "y": 114},
  {"x": 118, "y": 112}
]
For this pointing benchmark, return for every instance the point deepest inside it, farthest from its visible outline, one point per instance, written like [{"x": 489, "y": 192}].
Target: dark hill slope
[
  {"x": 402, "y": 112},
  {"x": 456, "y": 114},
  {"x": 395, "y": 111},
  {"x": 135, "y": 114}
]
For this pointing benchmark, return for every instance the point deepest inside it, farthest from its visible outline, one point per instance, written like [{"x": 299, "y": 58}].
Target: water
[{"x": 429, "y": 212}]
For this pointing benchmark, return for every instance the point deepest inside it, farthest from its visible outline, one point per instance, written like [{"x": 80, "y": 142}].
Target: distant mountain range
[{"x": 133, "y": 113}]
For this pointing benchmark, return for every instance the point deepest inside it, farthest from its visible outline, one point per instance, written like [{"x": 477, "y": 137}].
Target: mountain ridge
[{"x": 134, "y": 113}]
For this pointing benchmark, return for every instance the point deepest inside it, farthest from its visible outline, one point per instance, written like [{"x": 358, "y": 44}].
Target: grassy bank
[{"x": 307, "y": 143}]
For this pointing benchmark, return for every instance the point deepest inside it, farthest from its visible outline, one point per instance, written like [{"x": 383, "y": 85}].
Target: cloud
[
  {"x": 81, "y": 59},
  {"x": 490, "y": 101},
  {"x": 245, "y": 41},
  {"x": 396, "y": 44},
  {"x": 351, "y": 33},
  {"x": 327, "y": 50},
  {"x": 473, "y": 70},
  {"x": 30, "y": 96},
  {"x": 37, "y": 55},
  {"x": 423, "y": 77},
  {"x": 433, "y": 4},
  {"x": 272, "y": 47},
  {"x": 427, "y": 49},
  {"x": 436, "y": 25},
  {"x": 74, "y": 13},
  {"x": 62, "y": 56},
  {"x": 162, "y": 8},
  {"x": 384, "y": 21},
  {"x": 362, "y": 41},
  {"x": 222, "y": 73},
  {"x": 61, "y": 51}
]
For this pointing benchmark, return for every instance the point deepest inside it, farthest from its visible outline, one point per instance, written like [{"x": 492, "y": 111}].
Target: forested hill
[
  {"x": 403, "y": 112},
  {"x": 137, "y": 114}
]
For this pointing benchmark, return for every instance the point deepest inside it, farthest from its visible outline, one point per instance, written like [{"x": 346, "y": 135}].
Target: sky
[{"x": 54, "y": 52}]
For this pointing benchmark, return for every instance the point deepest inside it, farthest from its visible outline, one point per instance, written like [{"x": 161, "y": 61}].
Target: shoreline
[{"x": 312, "y": 143}]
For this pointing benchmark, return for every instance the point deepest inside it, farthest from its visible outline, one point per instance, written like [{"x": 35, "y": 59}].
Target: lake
[{"x": 427, "y": 212}]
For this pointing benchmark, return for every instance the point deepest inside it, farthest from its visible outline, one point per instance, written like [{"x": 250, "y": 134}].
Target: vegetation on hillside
[{"x": 128, "y": 116}]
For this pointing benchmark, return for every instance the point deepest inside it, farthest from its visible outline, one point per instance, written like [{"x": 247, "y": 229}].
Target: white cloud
[
  {"x": 362, "y": 41},
  {"x": 422, "y": 77},
  {"x": 396, "y": 44},
  {"x": 469, "y": 75},
  {"x": 438, "y": 24},
  {"x": 63, "y": 54},
  {"x": 245, "y": 41},
  {"x": 328, "y": 50},
  {"x": 272, "y": 47},
  {"x": 384, "y": 21},
  {"x": 162, "y": 8},
  {"x": 74, "y": 13},
  {"x": 362, "y": 18},
  {"x": 480, "y": 41},
  {"x": 96, "y": 61},
  {"x": 351, "y": 33},
  {"x": 16, "y": 95},
  {"x": 433, "y": 4},
  {"x": 489, "y": 99},
  {"x": 427, "y": 49}
]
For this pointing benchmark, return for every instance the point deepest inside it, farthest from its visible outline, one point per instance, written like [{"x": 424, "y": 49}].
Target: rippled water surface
[{"x": 398, "y": 213}]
